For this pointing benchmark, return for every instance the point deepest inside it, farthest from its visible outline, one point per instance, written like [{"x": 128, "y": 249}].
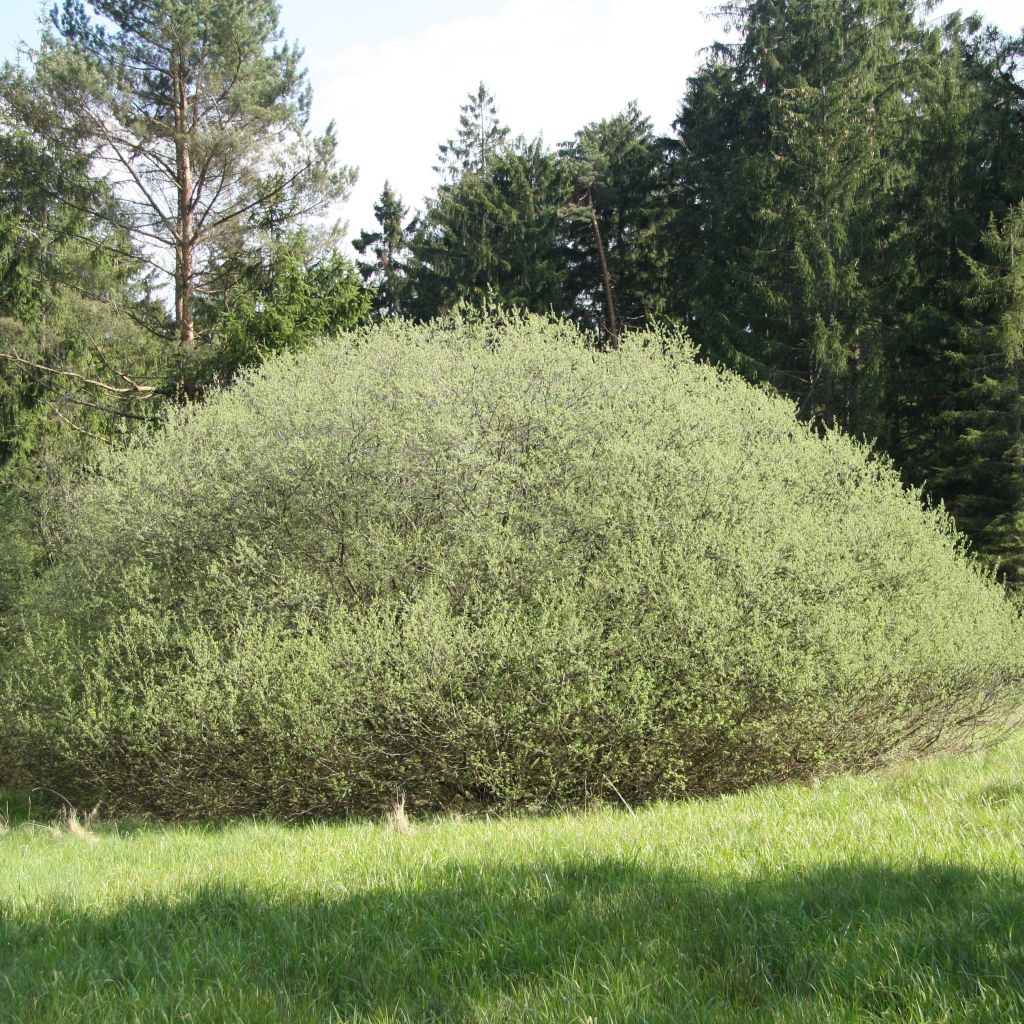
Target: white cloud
[{"x": 554, "y": 65}]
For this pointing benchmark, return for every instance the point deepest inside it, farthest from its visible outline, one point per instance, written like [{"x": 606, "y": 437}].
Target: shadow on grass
[{"x": 563, "y": 941}]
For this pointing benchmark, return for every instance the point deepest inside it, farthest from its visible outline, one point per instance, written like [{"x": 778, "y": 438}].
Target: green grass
[{"x": 892, "y": 898}]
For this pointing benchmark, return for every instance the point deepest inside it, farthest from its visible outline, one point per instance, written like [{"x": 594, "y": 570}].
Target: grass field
[{"x": 891, "y": 898}]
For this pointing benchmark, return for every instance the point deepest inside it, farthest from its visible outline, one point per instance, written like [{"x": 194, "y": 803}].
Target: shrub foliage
[{"x": 483, "y": 565}]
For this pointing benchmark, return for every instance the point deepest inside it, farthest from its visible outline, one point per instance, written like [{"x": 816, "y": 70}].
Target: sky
[{"x": 393, "y": 74}]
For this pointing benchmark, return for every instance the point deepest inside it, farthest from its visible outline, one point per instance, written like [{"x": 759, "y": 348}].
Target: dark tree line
[{"x": 838, "y": 212}]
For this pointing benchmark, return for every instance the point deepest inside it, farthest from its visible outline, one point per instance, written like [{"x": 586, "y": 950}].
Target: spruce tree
[
  {"x": 835, "y": 174},
  {"x": 951, "y": 383},
  {"x": 792, "y": 144},
  {"x": 984, "y": 470},
  {"x": 490, "y": 233},
  {"x": 481, "y": 135},
  {"x": 493, "y": 236},
  {"x": 389, "y": 246},
  {"x": 613, "y": 223}
]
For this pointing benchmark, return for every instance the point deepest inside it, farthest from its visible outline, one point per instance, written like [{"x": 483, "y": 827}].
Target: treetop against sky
[{"x": 393, "y": 74}]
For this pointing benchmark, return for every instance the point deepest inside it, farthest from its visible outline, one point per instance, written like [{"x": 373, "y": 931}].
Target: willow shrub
[{"x": 482, "y": 565}]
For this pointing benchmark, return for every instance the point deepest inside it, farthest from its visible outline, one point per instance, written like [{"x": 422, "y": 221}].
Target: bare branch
[{"x": 133, "y": 388}]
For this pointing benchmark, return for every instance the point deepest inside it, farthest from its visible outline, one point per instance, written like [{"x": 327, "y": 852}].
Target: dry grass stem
[
  {"x": 71, "y": 823},
  {"x": 397, "y": 820}
]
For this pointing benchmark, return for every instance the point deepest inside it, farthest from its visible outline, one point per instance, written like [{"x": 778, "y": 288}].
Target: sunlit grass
[{"x": 890, "y": 898}]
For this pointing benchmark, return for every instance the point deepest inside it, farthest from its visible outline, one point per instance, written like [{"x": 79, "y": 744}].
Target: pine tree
[{"x": 196, "y": 114}]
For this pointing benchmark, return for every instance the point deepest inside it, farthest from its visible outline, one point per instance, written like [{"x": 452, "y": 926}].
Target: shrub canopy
[{"x": 482, "y": 564}]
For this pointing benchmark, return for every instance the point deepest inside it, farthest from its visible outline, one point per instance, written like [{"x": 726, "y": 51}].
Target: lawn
[{"x": 896, "y": 897}]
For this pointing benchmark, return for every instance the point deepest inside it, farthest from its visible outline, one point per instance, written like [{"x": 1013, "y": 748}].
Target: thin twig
[
  {"x": 81, "y": 430},
  {"x": 620, "y": 796}
]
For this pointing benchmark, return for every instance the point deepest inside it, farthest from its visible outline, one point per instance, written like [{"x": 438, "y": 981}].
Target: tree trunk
[
  {"x": 609, "y": 298},
  {"x": 184, "y": 252}
]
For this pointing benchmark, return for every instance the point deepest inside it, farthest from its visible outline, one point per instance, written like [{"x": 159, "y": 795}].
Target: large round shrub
[{"x": 484, "y": 565}]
